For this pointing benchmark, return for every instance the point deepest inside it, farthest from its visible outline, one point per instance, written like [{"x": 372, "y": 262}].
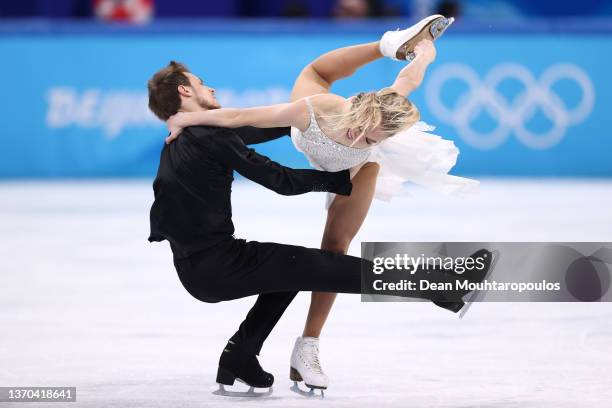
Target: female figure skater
[{"x": 375, "y": 134}]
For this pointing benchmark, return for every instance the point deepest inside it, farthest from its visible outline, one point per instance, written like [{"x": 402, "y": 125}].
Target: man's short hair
[{"x": 164, "y": 99}]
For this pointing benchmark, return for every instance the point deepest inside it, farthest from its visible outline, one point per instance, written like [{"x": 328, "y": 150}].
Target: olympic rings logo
[{"x": 510, "y": 116}]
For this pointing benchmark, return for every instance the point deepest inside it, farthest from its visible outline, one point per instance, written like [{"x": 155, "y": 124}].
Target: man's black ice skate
[
  {"x": 454, "y": 307},
  {"x": 236, "y": 364},
  {"x": 477, "y": 294},
  {"x": 474, "y": 276}
]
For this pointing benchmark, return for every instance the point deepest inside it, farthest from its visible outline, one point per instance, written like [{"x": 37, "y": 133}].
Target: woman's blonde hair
[{"x": 386, "y": 109}]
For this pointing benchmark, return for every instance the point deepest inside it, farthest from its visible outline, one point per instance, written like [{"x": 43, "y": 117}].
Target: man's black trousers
[{"x": 236, "y": 268}]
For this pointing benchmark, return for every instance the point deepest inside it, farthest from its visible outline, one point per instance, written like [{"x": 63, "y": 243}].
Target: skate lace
[{"x": 311, "y": 354}]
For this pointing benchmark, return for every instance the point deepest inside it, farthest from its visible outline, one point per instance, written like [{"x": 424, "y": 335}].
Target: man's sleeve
[
  {"x": 253, "y": 135},
  {"x": 232, "y": 152}
]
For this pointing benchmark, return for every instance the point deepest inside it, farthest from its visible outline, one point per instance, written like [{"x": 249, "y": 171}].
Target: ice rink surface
[{"x": 85, "y": 301}]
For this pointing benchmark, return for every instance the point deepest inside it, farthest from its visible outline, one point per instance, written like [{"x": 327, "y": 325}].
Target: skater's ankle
[{"x": 240, "y": 348}]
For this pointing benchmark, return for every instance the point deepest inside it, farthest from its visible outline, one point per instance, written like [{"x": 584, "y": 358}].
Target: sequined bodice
[{"x": 322, "y": 152}]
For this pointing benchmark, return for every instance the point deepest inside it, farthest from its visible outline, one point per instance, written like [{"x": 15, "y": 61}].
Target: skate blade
[
  {"x": 308, "y": 394},
  {"x": 439, "y": 27},
  {"x": 476, "y": 295},
  {"x": 431, "y": 31},
  {"x": 251, "y": 393}
]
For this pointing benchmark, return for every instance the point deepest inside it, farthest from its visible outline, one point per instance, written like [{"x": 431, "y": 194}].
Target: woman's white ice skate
[
  {"x": 305, "y": 367},
  {"x": 399, "y": 45}
]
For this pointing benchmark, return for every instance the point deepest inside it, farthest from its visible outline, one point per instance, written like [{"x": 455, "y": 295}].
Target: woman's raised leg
[{"x": 318, "y": 76}]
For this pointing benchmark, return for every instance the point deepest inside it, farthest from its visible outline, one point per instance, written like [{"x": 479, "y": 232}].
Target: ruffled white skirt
[{"x": 419, "y": 157}]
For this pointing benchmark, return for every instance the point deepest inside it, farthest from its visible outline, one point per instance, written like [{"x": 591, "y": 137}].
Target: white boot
[
  {"x": 399, "y": 45},
  {"x": 305, "y": 364}
]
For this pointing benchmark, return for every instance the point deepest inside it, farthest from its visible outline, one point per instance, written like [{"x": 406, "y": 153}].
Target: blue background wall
[{"x": 74, "y": 95}]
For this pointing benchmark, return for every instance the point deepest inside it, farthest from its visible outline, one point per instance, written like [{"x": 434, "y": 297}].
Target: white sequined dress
[{"x": 413, "y": 155}]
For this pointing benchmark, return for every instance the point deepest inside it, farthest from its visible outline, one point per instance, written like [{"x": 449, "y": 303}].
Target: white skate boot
[
  {"x": 399, "y": 45},
  {"x": 305, "y": 367}
]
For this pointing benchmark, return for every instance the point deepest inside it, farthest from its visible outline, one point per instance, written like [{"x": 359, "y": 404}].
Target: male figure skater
[{"x": 192, "y": 210}]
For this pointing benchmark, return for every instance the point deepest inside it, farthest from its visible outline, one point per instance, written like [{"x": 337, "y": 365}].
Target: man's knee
[
  {"x": 204, "y": 295},
  {"x": 200, "y": 287}
]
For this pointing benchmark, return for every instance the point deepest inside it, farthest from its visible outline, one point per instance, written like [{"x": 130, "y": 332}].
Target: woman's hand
[
  {"x": 176, "y": 123},
  {"x": 426, "y": 49}
]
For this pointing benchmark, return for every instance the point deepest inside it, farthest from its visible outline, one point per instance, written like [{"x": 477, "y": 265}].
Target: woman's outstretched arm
[
  {"x": 286, "y": 114},
  {"x": 412, "y": 75}
]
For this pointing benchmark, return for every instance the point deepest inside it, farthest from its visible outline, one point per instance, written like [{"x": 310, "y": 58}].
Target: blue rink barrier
[{"x": 522, "y": 99}]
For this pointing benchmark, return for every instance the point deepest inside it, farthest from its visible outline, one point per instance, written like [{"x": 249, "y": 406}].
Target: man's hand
[
  {"x": 175, "y": 123},
  {"x": 425, "y": 49}
]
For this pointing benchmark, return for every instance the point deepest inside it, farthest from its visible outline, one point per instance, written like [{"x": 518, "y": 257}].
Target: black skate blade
[
  {"x": 308, "y": 394},
  {"x": 251, "y": 393},
  {"x": 476, "y": 295}
]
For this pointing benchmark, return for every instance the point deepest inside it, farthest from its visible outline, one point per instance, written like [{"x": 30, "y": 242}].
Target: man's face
[{"x": 203, "y": 95}]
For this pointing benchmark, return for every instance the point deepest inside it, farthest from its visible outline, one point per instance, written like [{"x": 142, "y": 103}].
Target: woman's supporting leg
[
  {"x": 318, "y": 76},
  {"x": 344, "y": 218},
  {"x": 346, "y": 214}
]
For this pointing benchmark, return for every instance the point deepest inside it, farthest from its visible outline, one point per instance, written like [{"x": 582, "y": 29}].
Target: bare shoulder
[{"x": 325, "y": 104}]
